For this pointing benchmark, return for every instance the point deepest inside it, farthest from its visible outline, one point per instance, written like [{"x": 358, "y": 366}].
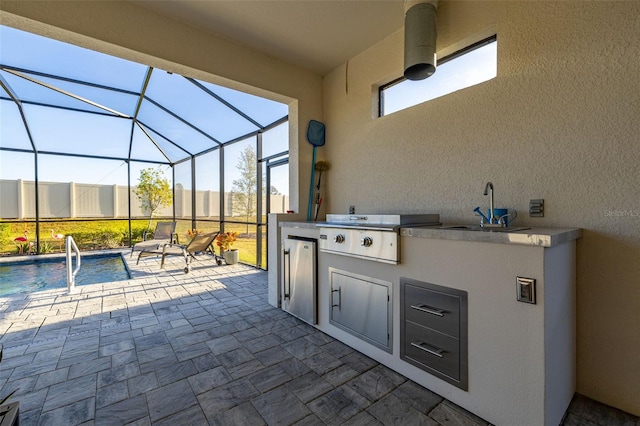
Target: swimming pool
[{"x": 38, "y": 274}]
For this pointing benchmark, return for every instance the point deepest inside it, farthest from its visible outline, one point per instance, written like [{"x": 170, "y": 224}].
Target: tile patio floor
[{"x": 167, "y": 348}]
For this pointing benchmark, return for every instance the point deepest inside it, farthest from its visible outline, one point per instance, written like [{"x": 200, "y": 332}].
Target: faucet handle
[
  {"x": 483, "y": 218},
  {"x": 508, "y": 217}
]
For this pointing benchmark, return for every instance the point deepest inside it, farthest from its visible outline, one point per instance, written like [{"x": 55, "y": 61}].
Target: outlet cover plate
[
  {"x": 536, "y": 208},
  {"x": 526, "y": 290}
]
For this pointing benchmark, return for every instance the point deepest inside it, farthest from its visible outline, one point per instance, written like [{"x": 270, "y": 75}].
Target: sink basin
[{"x": 481, "y": 229}]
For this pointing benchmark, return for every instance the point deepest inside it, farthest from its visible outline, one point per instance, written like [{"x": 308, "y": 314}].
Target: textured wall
[{"x": 559, "y": 122}]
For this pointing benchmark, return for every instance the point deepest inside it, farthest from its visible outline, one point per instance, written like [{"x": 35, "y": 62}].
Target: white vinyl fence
[{"x": 82, "y": 200}]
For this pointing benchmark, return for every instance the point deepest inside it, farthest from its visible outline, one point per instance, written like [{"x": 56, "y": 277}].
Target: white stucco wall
[{"x": 559, "y": 122}]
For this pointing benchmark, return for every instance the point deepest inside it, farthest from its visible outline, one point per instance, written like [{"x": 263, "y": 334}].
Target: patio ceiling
[
  {"x": 62, "y": 99},
  {"x": 318, "y": 35}
]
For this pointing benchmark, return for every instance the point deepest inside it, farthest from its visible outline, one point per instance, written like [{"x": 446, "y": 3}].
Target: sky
[
  {"x": 464, "y": 71},
  {"x": 105, "y": 129}
]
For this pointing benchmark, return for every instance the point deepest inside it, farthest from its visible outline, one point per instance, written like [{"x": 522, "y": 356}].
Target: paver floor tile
[
  {"x": 273, "y": 355},
  {"x": 280, "y": 407},
  {"x": 122, "y": 412},
  {"x": 70, "y": 391},
  {"x": 142, "y": 383},
  {"x": 418, "y": 397},
  {"x": 189, "y": 416},
  {"x": 168, "y": 348},
  {"x": 371, "y": 385},
  {"x": 308, "y": 387},
  {"x": 117, "y": 374},
  {"x": 227, "y": 396},
  {"x": 170, "y": 399},
  {"x": 269, "y": 378},
  {"x": 339, "y": 405},
  {"x": 243, "y": 414},
  {"x": 390, "y": 410},
  {"x": 74, "y": 413},
  {"x": 449, "y": 414},
  {"x": 175, "y": 372},
  {"x": 110, "y": 394}
]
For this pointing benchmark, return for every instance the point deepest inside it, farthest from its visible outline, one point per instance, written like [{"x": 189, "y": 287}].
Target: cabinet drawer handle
[
  {"x": 339, "y": 305},
  {"x": 428, "y": 310},
  {"x": 429, "y": 349}
]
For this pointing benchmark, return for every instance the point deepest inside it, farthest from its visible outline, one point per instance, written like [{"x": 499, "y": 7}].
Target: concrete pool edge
[{"x": 53, "y": 256}]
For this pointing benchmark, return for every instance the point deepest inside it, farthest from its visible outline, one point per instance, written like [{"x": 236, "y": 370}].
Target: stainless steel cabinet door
[
  {"x": 362, "y": 306},
  {"x": 299, "y": 271}
]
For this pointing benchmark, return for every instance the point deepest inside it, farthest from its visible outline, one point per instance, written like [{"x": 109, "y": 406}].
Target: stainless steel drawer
[
  {"x": 433, "y": 330},
  {"x": 432, "y": 350},
  {"x": 434, "y": 309}
]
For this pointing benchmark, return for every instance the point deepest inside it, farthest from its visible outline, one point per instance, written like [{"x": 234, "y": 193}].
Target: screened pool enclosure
[{"x": 79, "y": 128}]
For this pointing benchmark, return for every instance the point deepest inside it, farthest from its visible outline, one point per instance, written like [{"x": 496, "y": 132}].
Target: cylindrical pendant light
[{"x": 420, "y": 40}]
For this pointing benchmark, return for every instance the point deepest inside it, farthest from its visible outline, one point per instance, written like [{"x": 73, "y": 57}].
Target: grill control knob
[
  {"x": 338, "y": 239},
  {"x": 366, "y": 242}
]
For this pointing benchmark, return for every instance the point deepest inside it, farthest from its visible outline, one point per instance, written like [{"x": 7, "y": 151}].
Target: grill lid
[{"x": 379, "y": 221}]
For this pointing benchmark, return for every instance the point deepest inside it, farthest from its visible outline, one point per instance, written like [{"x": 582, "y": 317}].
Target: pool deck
[{"x": 203, "y": 348}]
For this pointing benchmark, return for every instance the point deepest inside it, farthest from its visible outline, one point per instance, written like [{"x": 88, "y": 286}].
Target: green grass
[
  {"x": 88, "y": 235},
  {"x": 103, "y": 234}
]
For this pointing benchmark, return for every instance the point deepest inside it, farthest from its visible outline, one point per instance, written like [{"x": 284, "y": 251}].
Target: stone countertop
[
  {"x": 534, "y": 236},
  {"x": 303, "y": 225}
]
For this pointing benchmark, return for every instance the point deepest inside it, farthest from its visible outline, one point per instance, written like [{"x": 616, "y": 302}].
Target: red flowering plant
[
  {"x": 191, "y": 233},
  {"x": 226, "y": 239}
]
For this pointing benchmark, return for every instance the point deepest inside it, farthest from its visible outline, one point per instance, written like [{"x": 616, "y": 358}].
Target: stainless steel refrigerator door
[{"x": 300, "y": 290}]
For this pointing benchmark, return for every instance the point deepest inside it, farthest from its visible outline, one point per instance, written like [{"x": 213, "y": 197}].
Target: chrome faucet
[{"x": 488, "y": 190}]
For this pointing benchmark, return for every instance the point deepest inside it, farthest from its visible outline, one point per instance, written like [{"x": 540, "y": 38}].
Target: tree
[
  {"x": 153, "y": 191},
  {"x": 274, "y": 191},
  {"x": 244, "y": 188}
]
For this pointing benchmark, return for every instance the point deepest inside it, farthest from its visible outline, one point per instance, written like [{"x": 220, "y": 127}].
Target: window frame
[{"x": 443, "y": 60}]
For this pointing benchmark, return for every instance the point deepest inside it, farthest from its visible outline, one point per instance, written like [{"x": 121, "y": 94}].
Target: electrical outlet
[
  {"x": 526, "y": 290},
  {"x": 536, "y": 208}
]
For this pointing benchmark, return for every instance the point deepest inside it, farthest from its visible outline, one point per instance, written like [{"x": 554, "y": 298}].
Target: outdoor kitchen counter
[
  {"x": 541, "y": 237},
  {"x": 520, "y": 354},
  {"x": 534, "y": 236}
]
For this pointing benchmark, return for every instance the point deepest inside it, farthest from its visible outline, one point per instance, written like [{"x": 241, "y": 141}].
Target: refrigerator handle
[{"x": 287, "y": 273}]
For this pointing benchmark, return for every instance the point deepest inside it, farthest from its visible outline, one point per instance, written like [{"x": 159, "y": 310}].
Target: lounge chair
[
  {"x": 200, "y": 243},
  {"x": 165, "y": 233}
]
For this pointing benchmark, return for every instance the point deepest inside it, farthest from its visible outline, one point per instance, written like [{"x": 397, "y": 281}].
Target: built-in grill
[{"x": 369, "y": 236}]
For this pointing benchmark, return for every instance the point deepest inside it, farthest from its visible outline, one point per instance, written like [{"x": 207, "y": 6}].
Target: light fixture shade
[{"x": 420, "y": 41}]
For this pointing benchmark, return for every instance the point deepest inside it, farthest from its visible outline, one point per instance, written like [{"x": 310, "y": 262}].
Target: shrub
[
  {"x": 46, "y": 247},
  {"x": 22, "y": 248},
  {"x": 109, "y": 239}
]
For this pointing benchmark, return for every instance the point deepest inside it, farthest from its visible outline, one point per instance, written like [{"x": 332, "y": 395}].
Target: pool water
[{"x": 45, "y": 274}]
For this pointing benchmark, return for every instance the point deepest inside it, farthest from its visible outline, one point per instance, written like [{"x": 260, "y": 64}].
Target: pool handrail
[{"x": 71, "y": 274}]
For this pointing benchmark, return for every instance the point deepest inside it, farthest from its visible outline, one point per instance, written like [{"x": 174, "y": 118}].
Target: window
[{"x": 465, "y": 68}]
